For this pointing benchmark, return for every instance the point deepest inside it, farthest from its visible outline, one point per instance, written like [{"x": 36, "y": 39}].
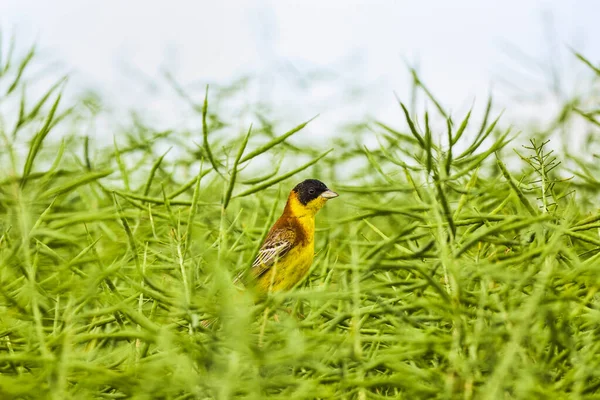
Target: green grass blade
[
  {"x": 275, "y": 141},
  {"x": 515, "y": 188},
  {"x": 38, "y": 139},
  {"x": 280, "y": 178},
  {"x": 74, "y": 184},
  {"x": 153, "y": 170},
  {"x": 205, "y": 143},
  {"x": 411, "y": 125},
  {"x": 234, "y": 170},
  {"x": 20, "y": 70}
]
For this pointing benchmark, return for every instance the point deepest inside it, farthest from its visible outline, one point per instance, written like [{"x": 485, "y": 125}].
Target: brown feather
[{"x": 285, "y": 234}]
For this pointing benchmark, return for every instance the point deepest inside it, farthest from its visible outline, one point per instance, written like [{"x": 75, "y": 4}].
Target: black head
[{"x": 309, "y": 190}]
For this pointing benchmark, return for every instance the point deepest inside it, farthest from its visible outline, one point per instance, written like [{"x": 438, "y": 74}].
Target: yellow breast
[{"x": 288, "y": 271}]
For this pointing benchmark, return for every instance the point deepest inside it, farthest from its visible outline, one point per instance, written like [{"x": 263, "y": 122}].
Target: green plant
[{"x": 441, "y": 271}]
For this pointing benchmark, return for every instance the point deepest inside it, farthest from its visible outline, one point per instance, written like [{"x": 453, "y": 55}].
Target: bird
[{"x": 287, "y": 252}]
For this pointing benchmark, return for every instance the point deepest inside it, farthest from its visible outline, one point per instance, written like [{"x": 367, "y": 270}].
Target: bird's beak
[{"x": 329, "y": 194}]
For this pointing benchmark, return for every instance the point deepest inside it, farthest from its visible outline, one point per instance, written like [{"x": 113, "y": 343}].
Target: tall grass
[{"x": 449, "y": 267}]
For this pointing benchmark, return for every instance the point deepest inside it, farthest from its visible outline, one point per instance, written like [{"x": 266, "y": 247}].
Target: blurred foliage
[{"x": 442, "y": 270}]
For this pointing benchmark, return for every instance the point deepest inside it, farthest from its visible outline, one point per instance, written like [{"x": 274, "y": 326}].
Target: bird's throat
[{"x": 303, "y": 214}]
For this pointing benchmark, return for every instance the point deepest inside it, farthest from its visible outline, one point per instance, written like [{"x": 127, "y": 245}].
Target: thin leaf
[
  {"x": 280, "y": 178},
  {"x": 235, "y": 169}
]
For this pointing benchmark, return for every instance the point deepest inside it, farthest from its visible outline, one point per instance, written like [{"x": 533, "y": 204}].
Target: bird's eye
[{"x": 311, "y": 191}]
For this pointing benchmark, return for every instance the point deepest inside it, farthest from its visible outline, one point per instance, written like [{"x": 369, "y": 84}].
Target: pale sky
[{"x": 309, "y": 57}]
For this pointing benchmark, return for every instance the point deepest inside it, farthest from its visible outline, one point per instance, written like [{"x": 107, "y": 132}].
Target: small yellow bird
[{"x": 288, "y": 250}]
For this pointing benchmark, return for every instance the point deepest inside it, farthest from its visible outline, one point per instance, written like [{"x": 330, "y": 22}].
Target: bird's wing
[{"x": 277, "y": 244}]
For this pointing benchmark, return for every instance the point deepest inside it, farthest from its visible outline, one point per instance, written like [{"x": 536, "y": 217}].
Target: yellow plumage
[{"x": 288, "y": 250}]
